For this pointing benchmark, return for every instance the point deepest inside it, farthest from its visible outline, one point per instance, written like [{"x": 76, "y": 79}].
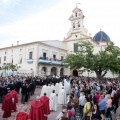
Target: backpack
[{"x": 71, "y": 117}]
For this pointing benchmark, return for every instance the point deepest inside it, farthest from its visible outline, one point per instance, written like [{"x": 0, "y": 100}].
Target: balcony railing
[
  {"x": 50, "y": 62},
  {"x": 29, "y": 60},
  {"x": 45, "y": 61}
]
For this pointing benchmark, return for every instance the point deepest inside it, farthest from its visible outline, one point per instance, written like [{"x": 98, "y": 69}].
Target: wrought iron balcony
[
  {"x": 45, "y": 61},
  {"x": 50, "y": 62},
  {"x": 29, "y": 60}
]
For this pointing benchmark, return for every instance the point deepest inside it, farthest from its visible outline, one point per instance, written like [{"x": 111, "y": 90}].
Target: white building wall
[
  {"x": 50, "y": 51},
  {"x": 37, "y": 49},
  {"x": 56, "y": 43}
]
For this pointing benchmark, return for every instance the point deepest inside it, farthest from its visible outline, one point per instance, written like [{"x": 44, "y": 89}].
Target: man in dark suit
[{"x": 24, "y": 93}]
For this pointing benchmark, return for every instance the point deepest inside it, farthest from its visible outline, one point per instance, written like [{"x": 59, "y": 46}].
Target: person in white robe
[
  {"x": 53, "y": 101},
  {"x": 48, "y": 90},
  {"x": 60, "y": 85},
  {"x": 52, "y": 88},
  {"x": 67, "y": 87},
  {"x": 62, "y": 96},
  {"x": 65, "y": 81},
  {"x": 44, "y": 90},
  {"x": 57, "y": 88}
]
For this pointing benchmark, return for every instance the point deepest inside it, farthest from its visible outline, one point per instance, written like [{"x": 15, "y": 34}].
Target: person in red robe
[
  {"x": 36, "y": 111},
  {"x": 14, "y": 99},
  {"x": 7, "y": 105},
  {"x": 22, "y": 115},
  {"x": 45, "y": 100}
]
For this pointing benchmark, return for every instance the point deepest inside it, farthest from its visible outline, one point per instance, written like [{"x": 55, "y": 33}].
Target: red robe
[
  {"x": 36, "y": 111},
  {"x": 45, "y": 101},
  {"x": 7, "y": 105},
  {"x": 22, "y": 116},
  {"x": 15, "y": 96}
]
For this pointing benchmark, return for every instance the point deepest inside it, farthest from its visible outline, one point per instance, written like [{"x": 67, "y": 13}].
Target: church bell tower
[{"x": 77, "y": 30}]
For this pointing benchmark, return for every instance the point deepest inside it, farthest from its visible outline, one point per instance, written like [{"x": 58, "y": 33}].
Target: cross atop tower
[
  {"x": 100, "y": 28},
  {"x": 77, "y": 4}
]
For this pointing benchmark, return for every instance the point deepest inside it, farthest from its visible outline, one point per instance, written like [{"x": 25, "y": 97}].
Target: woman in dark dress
[{"x": 96, "y": 114}]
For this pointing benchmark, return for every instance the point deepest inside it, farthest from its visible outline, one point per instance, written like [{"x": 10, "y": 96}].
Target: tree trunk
[
  {"x": 98, "y": 75},
  {"x": 104, "y": 74}
]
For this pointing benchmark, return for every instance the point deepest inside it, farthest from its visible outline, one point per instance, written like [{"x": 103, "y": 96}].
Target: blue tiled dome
[{"x": 101, "y": 36}]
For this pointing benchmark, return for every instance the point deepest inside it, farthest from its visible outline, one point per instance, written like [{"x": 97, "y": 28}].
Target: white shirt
[
  {"x": 112, "y": 94},
  {"x": 81, "y": 100}
]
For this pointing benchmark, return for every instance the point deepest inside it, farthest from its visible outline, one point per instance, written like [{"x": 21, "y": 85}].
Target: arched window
[
  {"x": 73, "y": 25},
  {"x": 61, "y": 71},
  {"x": 76, "y": 36},
  {"x": 76, "y": 14},
  {"x": 54, "y": 71},
  {"x": 44, "y": 70}
]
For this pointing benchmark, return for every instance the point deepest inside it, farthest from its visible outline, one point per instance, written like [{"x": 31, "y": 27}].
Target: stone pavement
[{"x": 52, "y": 115}]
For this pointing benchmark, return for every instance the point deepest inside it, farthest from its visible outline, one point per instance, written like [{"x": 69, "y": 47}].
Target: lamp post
[{"x": 32, "y": 72}]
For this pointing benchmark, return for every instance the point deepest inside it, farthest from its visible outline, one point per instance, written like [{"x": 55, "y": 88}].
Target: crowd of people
[
  {"x": 13, "y": 87},
  {"x": 96, "y": 99}
]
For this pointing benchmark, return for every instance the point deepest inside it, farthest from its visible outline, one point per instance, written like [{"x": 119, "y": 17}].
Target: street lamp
[{"x": 32, "y": 72}]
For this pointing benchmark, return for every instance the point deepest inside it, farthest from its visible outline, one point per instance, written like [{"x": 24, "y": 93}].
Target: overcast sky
[{"x": 36, "y": 20}]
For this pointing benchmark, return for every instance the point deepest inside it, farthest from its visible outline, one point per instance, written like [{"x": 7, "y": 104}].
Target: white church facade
[{"x": 46, "y": 57}]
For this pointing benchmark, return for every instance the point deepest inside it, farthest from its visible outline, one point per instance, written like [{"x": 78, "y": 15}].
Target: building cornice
[
  {"x": 77, "y": 39},
  {"x": 31, "y": 43},
  {"x": 86, "y": 37}
]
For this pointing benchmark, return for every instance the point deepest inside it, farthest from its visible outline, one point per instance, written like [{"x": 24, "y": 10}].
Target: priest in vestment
[
  {"x": 52, "y": 87},
  {"x": 14, "y": 95},
  {"x": 62, "y": 96},
  {"x": 44, "y": 90},
  {"x": 45, "y": 100},
  {"x": 48, "y": 90},
  {"x": 57, "y": 88},
  {"x": 22, "y": 115},
  {"x": 7, "y": 105},
  {"x": 53, "y": 101},
  {"x": 60, "y": 86},
  {"x": 67, "y": 87},
  {"x": 36, "y": 110}
]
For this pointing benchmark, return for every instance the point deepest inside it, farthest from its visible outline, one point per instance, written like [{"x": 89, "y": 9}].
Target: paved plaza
[{"x": 52, "y": 115}]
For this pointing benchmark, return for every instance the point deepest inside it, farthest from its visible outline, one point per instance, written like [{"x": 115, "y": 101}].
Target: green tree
[
  {"x": 86, "y": 60},
  {"x": 9, "y": 66}
]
